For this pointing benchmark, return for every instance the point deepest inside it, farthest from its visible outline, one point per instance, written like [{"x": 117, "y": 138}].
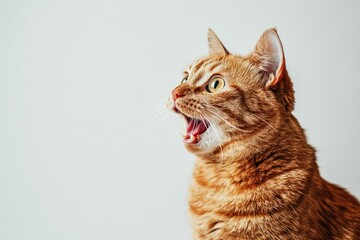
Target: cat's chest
[
  {"x": 220, "y": 214},
  {"x": 211, "y": 226},
  {"x": 214, "y": 227}
]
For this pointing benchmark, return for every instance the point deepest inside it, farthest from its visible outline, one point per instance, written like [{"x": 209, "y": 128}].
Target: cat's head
[{"x": 225, "y": 98}]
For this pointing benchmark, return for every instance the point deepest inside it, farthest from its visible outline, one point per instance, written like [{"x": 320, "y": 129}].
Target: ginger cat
[{"x": 255, "y": 175}]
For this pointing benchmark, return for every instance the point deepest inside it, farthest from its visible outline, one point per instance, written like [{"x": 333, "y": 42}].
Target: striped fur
[{"x": 255, "y": 175}]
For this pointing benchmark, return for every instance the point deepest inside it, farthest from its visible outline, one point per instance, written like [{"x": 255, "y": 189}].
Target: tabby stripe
[
  {"x": 223, "y": 147},
  {"x": 233, "y": 213},
  {"x": 201, "y": 65},
  {"x": 198, "y": 65},
  {"x": 243, "y": 98},
  {"x": 273, "y": 175},
  {"x": 203, "y": 183},
  {"x": 214, "y": 66},
  {"x": 200, "y": 68},
  {"x": 207, "y": 63},
  {"x": 197, "y": 76},
  {"x": 245, "y": 102},
  {"x": 270, "y": 155},
  {"x": 239, "y": 120},
  {"x": 196, "y": 210}
]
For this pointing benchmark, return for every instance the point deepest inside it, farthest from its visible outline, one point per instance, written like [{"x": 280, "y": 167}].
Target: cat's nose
[{"x": 177, "y": 93}]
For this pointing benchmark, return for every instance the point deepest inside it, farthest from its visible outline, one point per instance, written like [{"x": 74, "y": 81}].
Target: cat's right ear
[
  {"x": 215, "y": 45},
  {"x": 269, "y": 57}
]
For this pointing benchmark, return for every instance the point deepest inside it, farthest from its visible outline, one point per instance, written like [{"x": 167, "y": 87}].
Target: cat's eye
[
  {"x": 184, "y": 80},
  {"x": 215, "y": 85}
]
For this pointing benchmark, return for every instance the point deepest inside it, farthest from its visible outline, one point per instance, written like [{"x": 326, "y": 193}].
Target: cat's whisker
[
  {"x": 237, "y": 138},
  {"x": 216, "y": 134},
  {"x": 160, "y": 113},
  {"x": 227, "y": 122},
  {"x": 262, "y": 119},
  {"x": 160, "y": 100}
]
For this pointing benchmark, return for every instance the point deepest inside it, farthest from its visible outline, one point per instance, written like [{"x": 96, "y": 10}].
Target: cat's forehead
[
  {"x": 202, "y": 69},
  {"x": 205, "y": 63}
]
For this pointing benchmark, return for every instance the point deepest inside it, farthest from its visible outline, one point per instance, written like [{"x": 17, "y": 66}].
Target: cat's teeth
[{"x": 192, "y": 138}]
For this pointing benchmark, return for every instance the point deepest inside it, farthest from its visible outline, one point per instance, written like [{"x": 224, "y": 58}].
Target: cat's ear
[
  {"x": 215, "y": 45},
  {"x": 268, "y": 55}
]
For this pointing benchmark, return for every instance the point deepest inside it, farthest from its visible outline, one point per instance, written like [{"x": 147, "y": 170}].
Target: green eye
[
  {"x": 215, "y": 85},
  {"x": 184, "y": 80}
]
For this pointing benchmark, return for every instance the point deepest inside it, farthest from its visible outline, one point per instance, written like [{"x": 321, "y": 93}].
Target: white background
[{"x": 87, "y": 150}]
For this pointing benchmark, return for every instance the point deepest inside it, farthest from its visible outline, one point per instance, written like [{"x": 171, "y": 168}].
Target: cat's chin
[
  {"x": 193, "y": 139},
  {"x": 200, "y": 136},
  {"x": 203, "y": 143}
]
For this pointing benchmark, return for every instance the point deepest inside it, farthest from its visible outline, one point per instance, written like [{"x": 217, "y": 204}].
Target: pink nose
[{"x": 177, "y": 93}]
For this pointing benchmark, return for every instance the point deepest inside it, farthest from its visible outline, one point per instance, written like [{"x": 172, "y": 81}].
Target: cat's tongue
[{"x": 193, "y": 131}]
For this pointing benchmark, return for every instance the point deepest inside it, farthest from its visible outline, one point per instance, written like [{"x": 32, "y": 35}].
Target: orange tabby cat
[{"x": 255, "y": 175}]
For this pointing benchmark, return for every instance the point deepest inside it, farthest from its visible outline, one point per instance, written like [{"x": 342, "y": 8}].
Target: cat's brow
[
  {"x": 215, "y": 65},
  {"x": 198, "y": 65},
  {"x": 197, "y": 70},
  {"x": 206, "y": 69},
  {"x": 196, "y": 78}
]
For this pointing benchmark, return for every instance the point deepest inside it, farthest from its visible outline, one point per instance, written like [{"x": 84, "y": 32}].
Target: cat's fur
[{"x": 255, "y": 175}]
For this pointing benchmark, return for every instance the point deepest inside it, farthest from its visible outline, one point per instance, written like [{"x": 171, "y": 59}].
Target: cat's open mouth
[{"x": 194, "y": 129}]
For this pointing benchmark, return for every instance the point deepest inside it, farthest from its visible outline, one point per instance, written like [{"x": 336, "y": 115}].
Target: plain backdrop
[{"x": 87, "y": 148}]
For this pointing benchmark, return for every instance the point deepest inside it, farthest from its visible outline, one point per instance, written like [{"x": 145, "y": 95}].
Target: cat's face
[{"x": 225, "y": 98}]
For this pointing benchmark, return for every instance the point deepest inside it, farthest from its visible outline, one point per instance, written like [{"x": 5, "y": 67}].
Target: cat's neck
[
  {"x": 253, "y": 162},
  {"x": 287, "y": 132}
]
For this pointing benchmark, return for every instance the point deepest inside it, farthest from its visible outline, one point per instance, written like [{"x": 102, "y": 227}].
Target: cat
[{"x": 255, "y": 175}]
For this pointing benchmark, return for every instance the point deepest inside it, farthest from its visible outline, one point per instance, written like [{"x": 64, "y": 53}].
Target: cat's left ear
[
  {"x": 215, "y": 45},
  {"x": 268, "y": 55}
]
